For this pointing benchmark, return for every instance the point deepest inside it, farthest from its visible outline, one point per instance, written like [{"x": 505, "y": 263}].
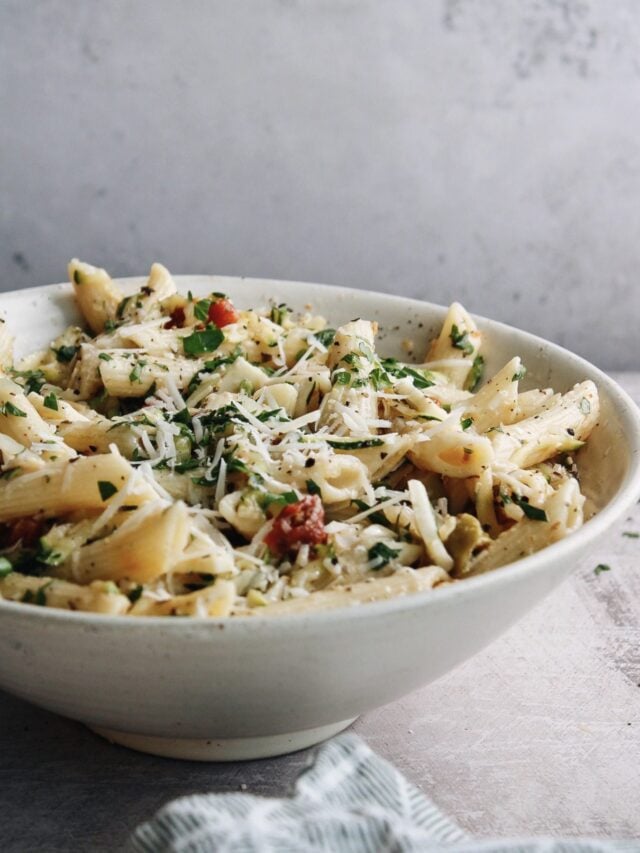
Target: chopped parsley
[
  {"x": 380, "y": 555},
  {"x": 397, "y": 370},
  {"x": 532, "y": 512},
  {"x": 134, "y": 594},
  {"x": 207, "y": 340},
  {"x": 40, "y": 598},
  {"x": 325, "y": 337},
  {"x": 375, "y": 517},
  {"x": 341, "y": 377},
  {"x": 201, "y": 310},
  {"x": 313, "y": 488},
  {"x": 122, "y": 306},
  {"x": 33, "y": 379},
  {"x": 106, "y": 489},
  {"x": 630, "y": 534},
  {"x": 601, "y": 567},
  {"x": 460, "y": 340},
  {"x": 9, "y": 409},
  {"x": 51, "y": 401},
  {"x": 465, "y": 423},
  {"x": 273, "y": 414},
  {"x": 104, "y": 356},
  {"x": 216, "y": 363},
  {"x": 520, "y": 374},
  {"x": 474, "y": 377},
  {"x": 65, "y": 354},
  {"x": 136, "y": 373},
  {"x": 182, "y": 417}
]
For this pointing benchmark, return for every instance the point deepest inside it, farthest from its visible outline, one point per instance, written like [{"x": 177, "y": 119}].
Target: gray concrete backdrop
[{"x": 485, "y": 150}]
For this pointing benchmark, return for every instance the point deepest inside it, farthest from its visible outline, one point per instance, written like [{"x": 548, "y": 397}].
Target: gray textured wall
[{"x": 486, "y": 150}]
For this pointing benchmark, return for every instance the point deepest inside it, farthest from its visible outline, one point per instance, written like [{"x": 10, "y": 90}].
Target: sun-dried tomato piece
[
  {"x": 29, "y": 530},
  {"x": 176, "y": 320},
  {"x": 301, "y": 523}
]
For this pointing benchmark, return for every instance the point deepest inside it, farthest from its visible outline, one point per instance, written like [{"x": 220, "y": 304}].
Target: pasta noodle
[{"x": 182, "y": 457}]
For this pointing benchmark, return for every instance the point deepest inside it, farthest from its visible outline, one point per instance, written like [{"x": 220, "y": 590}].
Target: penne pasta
[{"x": 182, "y": 457}]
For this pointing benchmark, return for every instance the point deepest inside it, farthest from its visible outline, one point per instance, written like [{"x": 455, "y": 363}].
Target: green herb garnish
[
  {"x": 325, "y": 336},
  {"x": 40, "y": 598},
  {"x": 201, "y": 310},
  {"x": 474, "y": 377},
  {"x": 9, "y": 409},
  {"x": 51, "y": 401},
  {"x": 65, "y": 354},
  {"x": 380, "y": 555},
  {"x": 182, "y": 417},
  {"x": 207, "y": 340},
  {"x": 136, "y": 373},
  {"x": 341, "y": 377},
  {"x": 106, "y": 489},
  {"x": 313, "y": 488},
  {"x": 121, "y": 307},
  {"x": 134, "y": 594},
  {"x": 33, "y": 379},
  {"x": 520, "y": 374},
  {"x": 396, "y": 369},
  {"x": 460, "y": 340},
  {"x": 532, "y": 512},
  {"x": 601, "y": 567}
]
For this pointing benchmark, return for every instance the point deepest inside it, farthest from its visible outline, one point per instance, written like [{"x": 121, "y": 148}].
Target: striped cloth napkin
[{"x": 349, "y": 800}]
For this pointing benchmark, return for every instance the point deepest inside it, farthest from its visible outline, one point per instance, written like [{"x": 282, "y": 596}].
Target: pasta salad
[{"x": 179, "y": 456}]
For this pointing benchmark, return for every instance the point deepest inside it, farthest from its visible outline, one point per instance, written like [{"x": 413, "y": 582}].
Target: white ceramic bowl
[{"x": 224, "y": 689}]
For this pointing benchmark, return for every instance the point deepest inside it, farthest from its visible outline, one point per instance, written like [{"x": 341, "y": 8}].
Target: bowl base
[{"x": 223, "y": 749}]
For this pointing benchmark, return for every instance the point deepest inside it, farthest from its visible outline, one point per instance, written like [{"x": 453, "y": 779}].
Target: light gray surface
[
  {"x": 536, "y": 734},
  {"x": 485, "y": 151}
]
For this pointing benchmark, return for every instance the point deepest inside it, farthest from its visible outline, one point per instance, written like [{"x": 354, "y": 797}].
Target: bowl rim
[{"x": 564, "y": 549}]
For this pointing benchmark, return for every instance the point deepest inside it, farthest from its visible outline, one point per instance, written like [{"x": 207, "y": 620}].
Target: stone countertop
[{"x": 539, "y": 733}]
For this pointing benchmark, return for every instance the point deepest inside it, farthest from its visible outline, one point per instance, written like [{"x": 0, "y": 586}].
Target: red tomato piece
[
  {"x": 301, "y": 523},
  {"x": 222, "y": 312}
]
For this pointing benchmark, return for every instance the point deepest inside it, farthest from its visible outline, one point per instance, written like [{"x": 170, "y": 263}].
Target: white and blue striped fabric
[{"x": 348, "y": 801}]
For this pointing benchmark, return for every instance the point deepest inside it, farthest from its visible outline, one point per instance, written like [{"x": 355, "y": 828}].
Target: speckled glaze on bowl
[{"x": 227, "y": 689}]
